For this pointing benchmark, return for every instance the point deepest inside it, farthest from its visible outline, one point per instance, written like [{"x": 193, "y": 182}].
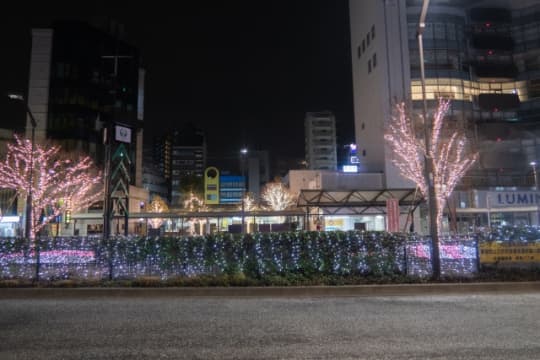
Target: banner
[{"x": 392, "y": 214}]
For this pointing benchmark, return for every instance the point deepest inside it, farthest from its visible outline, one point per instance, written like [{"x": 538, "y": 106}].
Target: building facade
[
  {"x": 321, "y": 148},
  {"x": 181, "y": 157},
  {"x": 484, "y": 56},
  {"x": 86, "y": 92}
]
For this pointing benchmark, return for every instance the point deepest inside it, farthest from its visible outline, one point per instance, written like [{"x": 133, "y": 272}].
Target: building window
[
  {"x": 372, "y": 32},
  {"x": 363, "y": 45},
  {"x": 364, "y": 152},
  {"x": 363, "y": 126},
  {"x": 369, "y": 66},
  {"x": 359, "y": 51},
  {"x": 374, "y": 60},
  {"x": 367, "y": 39}
]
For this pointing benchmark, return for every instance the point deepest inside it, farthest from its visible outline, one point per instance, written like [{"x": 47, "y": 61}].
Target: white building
[{"x": 483, "y": 55}]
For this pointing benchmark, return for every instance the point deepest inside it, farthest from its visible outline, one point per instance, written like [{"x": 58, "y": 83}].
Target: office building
[
  {"x": 483, "y": 55},
  {"x": 82, "y": 79},
  {"x": 181, "y": 157},
  {"x": 86, "y": 92},
  {"x": 320, "y": 141}
]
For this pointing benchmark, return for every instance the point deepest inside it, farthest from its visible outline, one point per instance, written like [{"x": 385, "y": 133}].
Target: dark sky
[{"x": 244, "y": 71}]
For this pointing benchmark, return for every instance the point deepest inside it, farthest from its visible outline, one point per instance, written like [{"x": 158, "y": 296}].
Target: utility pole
[
  {"x": 428, "y": 159},
  {"x": 243, "y": 155}
]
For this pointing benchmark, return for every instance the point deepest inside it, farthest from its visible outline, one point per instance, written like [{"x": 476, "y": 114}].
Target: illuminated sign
[
  {"x": 9, "y": 219},
  {"x": 211, "y": 186},
  {"x": 497, "y": 252},
  {"x": 122, "y": 134},
  {"x": 513, "y": 198},
  {"x": 350, "y": 168}
]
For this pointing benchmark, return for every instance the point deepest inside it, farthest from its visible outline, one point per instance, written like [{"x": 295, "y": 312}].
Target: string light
[
  {"x": 332, "y": 253},
  {"x": 157, "y": 205},
  {"x": 277, "y": 196},
  {"x": 59, "y": 183},
  {"x": 451, "y": 160}
]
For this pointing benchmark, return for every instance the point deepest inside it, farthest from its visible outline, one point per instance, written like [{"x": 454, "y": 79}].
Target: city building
[
  {"x": 181, "y": 155},
  {"x": 483, "y": 55},
  {"x": 321, "y": 148},
  {"x": 86, "y": 92},
  {"x": 153, "y": 179},
  {"x": 258, "y": 171}
]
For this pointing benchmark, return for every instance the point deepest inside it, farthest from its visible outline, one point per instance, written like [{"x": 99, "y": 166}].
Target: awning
[{"x": 356, "y": 202}]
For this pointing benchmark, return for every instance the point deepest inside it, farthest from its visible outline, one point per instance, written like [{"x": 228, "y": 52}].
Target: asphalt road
[{"x": 481, "y": 326}]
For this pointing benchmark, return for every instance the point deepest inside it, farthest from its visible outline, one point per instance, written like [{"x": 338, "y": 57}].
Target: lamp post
[
  {"x": 428, "y": 160},
  {"x": 535, "y": 174},
  {"x": 28, "y": 220},
  {"x": 243, "y": 154}
]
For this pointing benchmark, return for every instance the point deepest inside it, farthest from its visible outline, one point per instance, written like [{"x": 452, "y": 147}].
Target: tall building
[
  {"x": 484, "y": 55},
  {"x": 180, "y": 155},
  {"x": 258, "y": 171},
  {"x": 83, "y": 79},
  {"x": 86, "y": 92},
  {"x": 153, "y": 179},
  {"x": 320, "y": 130}
]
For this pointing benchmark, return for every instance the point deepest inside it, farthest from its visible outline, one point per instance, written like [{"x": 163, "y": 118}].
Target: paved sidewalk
[{"x": 289, "y": 291}]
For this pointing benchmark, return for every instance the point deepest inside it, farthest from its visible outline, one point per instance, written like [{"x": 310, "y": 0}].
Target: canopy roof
[{"x": 358, "y": 201}]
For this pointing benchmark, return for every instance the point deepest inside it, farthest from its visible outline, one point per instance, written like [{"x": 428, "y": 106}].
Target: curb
[{"x": 300, "y": 291}]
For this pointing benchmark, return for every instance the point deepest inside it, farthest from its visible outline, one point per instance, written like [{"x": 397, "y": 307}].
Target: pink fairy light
[
  {"x": 59, "y": 184},
  {"x": 451, "y": 160}
]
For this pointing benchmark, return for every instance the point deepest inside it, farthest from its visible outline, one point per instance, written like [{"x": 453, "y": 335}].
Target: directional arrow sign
[
  {"x": 124, "y": 171},
  {"x": 121, "y": 153},
  {"x": 120, "y": 183}
]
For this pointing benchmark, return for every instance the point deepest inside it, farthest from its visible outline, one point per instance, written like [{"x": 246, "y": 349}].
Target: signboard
[
  {"x": 511, "y": 198},
  {"x": 122, "y": 134},
  {"x": 211, "y": 186},
  {"x": 509, "y": 253},
  {"x": 392, "y": 212}
]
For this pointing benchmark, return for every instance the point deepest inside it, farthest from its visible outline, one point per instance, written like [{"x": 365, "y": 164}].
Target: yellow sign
[
  {"x": 496, "y": 252},
  {"x": 334, "y": 222},
  {"x": 211, "y": 186}
]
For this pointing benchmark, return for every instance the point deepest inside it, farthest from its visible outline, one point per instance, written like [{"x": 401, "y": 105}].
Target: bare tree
[
  {"x": 448, "y": 149},
  {"x": 277, "y": 196},
  {"x": 58, "y": 184}
]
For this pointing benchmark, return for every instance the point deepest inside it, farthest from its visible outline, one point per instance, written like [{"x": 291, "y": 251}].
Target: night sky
[{"x": 244, "y": 71}]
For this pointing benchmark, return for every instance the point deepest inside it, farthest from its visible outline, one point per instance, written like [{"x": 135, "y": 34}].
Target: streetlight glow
[{"x": 243, "y": 154}]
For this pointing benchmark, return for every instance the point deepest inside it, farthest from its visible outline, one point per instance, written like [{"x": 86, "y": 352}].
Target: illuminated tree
[
  {"x": 59, "y": 183},
  {"x": 448, "y": 149},
  {"x": 193, "y": 202},
  {"x": 157, "y": 205},
  {"x": 277, "y": 196},
  {"x": 250, "y": 203}
]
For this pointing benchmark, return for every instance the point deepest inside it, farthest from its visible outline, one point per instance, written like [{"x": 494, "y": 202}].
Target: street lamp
[
  {"x": 243, "y": 155},
  {"x": 428, "y": 160},
  {"x": 533, "y": 165},
  {"x": 28, "y": 220},
  {"x": 535, "y": 174}
]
